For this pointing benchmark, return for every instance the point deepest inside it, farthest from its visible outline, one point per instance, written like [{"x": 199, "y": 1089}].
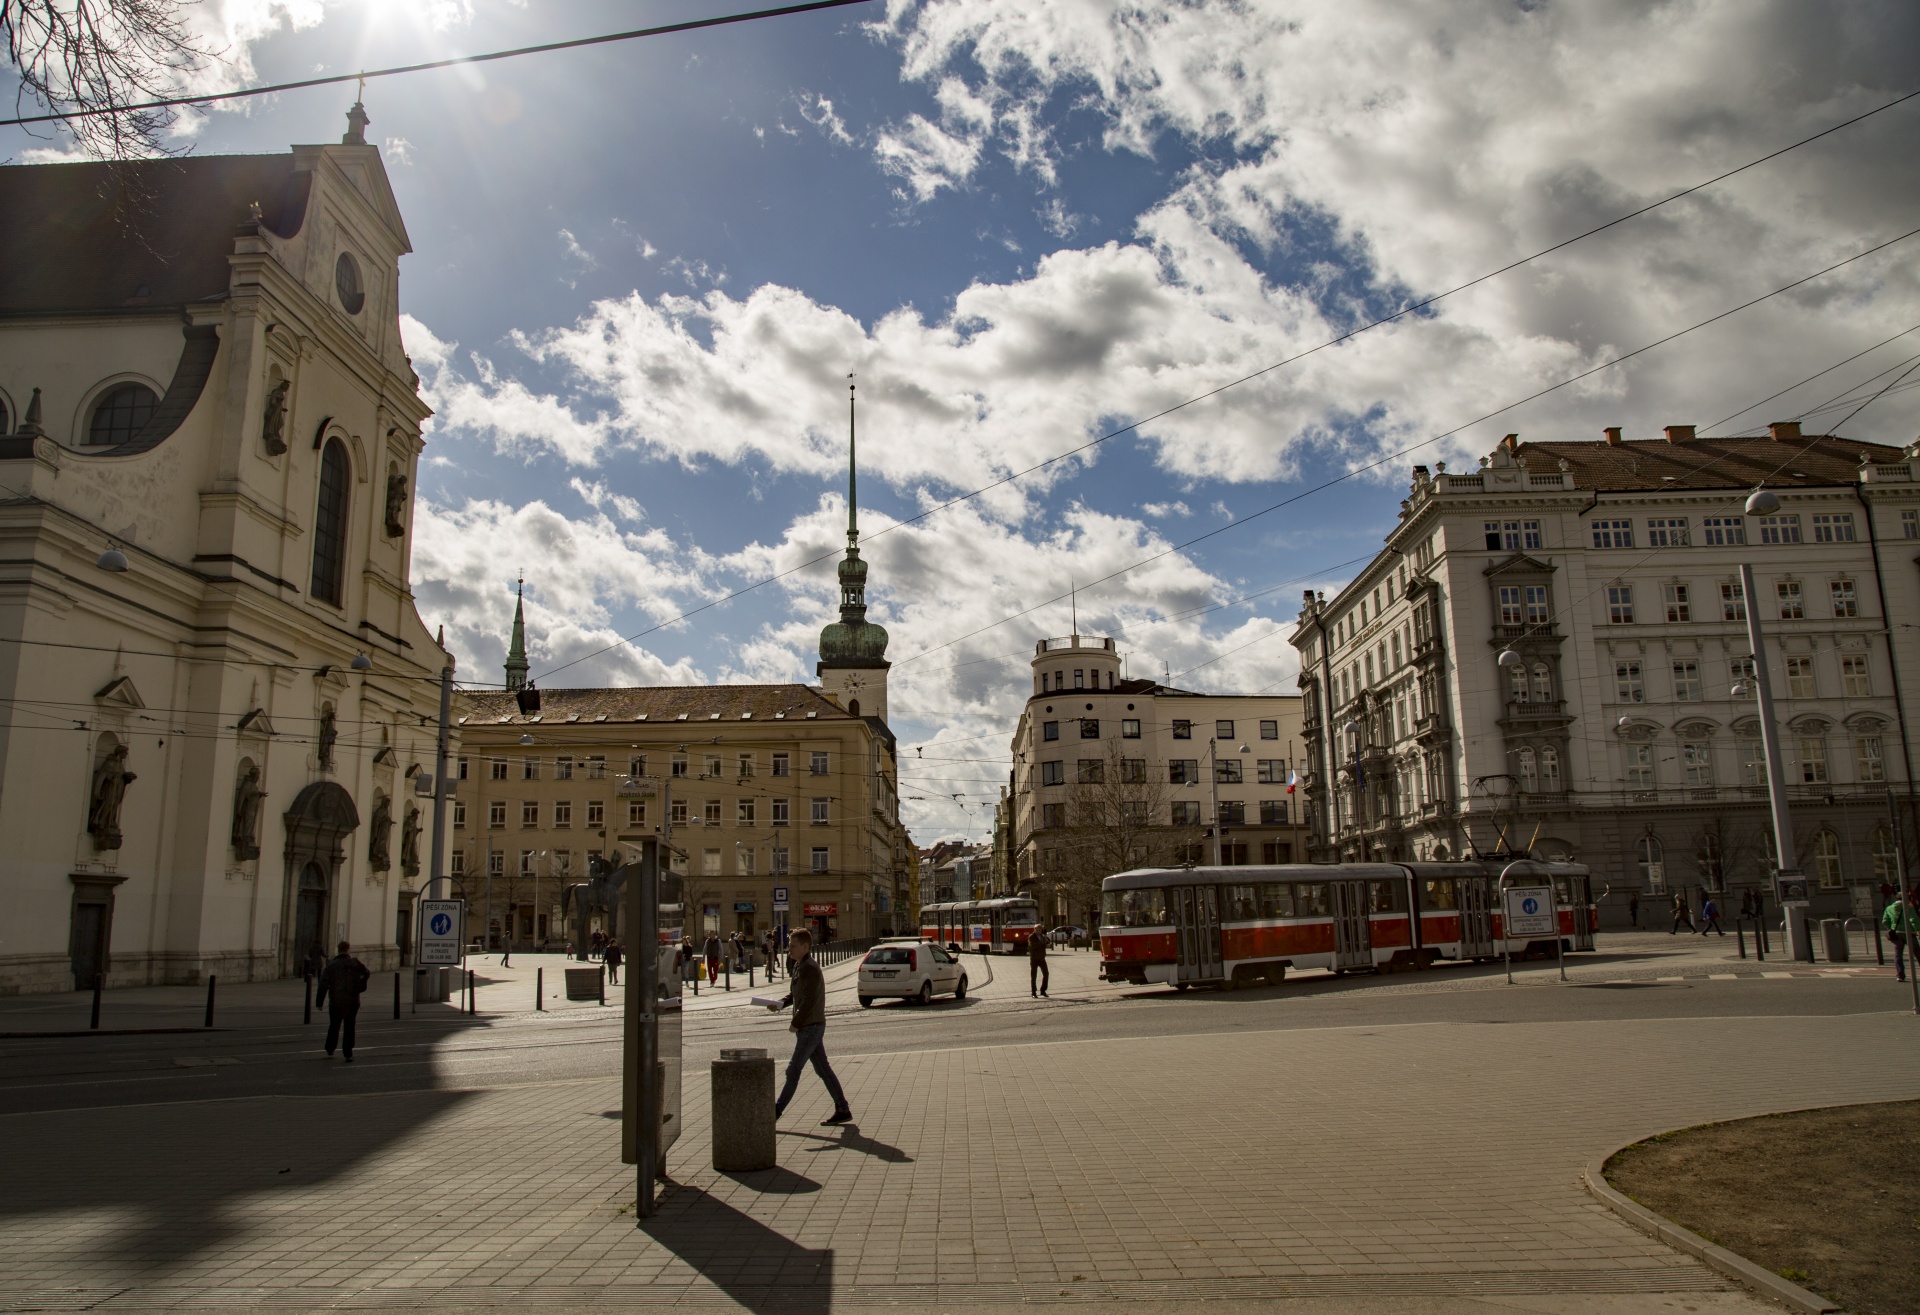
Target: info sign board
[
  {"x": 1530, "y": 911},
  {"x": 442, "y": 931},
  {"x": 779, "y": 899}
]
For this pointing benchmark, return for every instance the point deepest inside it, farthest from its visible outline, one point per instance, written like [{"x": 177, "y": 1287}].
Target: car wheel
[
  {"x": 1181, "y": 986},
  {"x": 960, "y": 991},
  {"x": 925, "y": 996},
  {"x": 866, "y": 1002}
]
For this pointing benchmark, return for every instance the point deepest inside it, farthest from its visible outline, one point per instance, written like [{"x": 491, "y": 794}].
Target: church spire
[
  {"x": 517, "y": 648},
  {"x": 853, "y": 641},
  {"x": 853, "y": 467}
]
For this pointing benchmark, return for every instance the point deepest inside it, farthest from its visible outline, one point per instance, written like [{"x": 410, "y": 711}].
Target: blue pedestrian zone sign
[
  {"x": 1530, "y": 911},
  {"x": 442, "y": 922}
]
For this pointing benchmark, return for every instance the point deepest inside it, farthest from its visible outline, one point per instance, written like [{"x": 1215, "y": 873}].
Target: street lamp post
[{"x": 1789, "y": 887}]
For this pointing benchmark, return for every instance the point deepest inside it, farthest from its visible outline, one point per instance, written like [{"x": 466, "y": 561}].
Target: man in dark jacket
[
  {"x": 809, "y": 1028},
  {"x": 341, "y": 983},
  {"x": 1037, "y": 973}
]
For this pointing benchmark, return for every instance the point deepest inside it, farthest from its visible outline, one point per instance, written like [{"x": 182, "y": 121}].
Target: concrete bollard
[
  {"x": 742, "y": 1111},
  {"x": 1833, "y": 935}
]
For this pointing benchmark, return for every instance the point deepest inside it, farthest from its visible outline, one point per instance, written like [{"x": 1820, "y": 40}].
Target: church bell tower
[{"x": 853, "y": 650}]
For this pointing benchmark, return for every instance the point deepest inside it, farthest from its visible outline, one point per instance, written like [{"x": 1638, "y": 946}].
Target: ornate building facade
[{"x": 214, "y": 677}]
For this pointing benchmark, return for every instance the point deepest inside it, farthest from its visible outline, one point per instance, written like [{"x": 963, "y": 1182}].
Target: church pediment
[
  {"x": 256, "y": 723},
  {"x": 120, "y": 694}
]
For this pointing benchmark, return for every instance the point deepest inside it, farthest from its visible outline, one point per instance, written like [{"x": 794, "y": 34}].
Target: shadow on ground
[{"x": 760, "y": 1269}]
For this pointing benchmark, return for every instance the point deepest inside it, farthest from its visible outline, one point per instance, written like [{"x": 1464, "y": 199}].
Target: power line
[
  {"x": 1234, "y": 383},
  {"x": 335, "y": 79}
]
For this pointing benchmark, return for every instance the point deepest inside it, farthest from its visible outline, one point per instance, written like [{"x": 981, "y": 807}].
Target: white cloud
[
  {"x": 1163, "y": 510},
  {"x": 819, "y": 111}
]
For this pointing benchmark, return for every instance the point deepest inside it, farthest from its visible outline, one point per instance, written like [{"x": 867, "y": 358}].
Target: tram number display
[{"x": 1530, "y": 911}]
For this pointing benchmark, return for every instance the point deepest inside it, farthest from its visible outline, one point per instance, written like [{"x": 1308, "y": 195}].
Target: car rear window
[{"x": 891, "y": 954}]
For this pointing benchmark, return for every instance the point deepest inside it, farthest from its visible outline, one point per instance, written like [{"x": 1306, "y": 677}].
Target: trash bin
[
  {"x": 1833, "y": 935},
  {"x": 742, "y": 1111},
  {"x": 583, "y": 983}
]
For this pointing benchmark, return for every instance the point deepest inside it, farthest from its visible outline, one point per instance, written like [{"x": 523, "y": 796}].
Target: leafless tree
[
  {"x": 1118, "y": 816},
  {"x": 95, "y": 60}
]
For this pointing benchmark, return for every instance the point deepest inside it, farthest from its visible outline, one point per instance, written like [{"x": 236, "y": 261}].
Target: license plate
[{"x": 886, "y": 972}]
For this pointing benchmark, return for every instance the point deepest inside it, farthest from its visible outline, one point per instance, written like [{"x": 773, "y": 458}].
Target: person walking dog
[
  {"x": 809, "y": 1027},
  {"x": 1038, "y": 975},
  {"x": 342, "y": 982}
]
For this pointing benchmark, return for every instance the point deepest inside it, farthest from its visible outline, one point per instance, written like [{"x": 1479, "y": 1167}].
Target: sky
[{"x": 644, "y": 272}]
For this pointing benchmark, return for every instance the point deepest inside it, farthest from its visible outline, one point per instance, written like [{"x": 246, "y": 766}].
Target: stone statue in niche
[
  {"x": 110, "y": 781},
  {"x": 396, "y": 505},
  {"x": 410, "y": 843},
  {"x": 247, "y": 798},
  {"x": 273, "y": 422},
  {"x": 380, "y": 835},
  {"x": 328, "y": 735}
]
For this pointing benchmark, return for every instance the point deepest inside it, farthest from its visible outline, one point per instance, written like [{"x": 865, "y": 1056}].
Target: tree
[
  {"x": 95, "y": 60},
  {"x": 1118, "y": 816}
]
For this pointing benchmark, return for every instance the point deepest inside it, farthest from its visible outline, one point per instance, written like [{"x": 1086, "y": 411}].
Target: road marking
[
  {"x": 1776, "y": 975},
  {"x": 1723, "y": 977},
  {"x": 1669, "y": 979}
]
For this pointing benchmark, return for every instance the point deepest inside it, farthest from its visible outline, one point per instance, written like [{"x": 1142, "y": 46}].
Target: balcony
[
  {"x": 1551, "y": 710},
  {"x": 1531, "y": 630}
]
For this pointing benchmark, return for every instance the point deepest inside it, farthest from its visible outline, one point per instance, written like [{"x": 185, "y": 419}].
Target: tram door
[
  {"x": 1476, "y": 917},
  {"x": 1197, "y": 928},
  {"x": 1352, "y": 932},
  {"x": 1575, "y": 894},
  {"x": 996, "y": 934}
]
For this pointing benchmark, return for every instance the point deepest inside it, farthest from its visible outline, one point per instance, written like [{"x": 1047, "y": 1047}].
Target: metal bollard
[
  {"x": 396, "y": 995},
  {"x": 540, "y": 989},
  {"x": 603, "y": 986},
  {"x": 211, "y": 979},
  {"x": 306, "y": 1012},
  {"x": 473, "y": 993},
  {"x": 1879, "y": 947},
  {"x": 1740, "y": 932},
  {"x": 749, "y": 974},
  {"x": 99, "y": 981},
  {"x": 729, "y": 972}
]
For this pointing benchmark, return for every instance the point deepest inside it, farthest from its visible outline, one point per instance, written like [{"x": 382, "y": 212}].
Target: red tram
[
  {"x": 1233, "y": 926},
  {"x": 984, "y": 925}
]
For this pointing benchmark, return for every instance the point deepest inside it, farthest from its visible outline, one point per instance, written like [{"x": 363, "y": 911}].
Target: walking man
[
  {"x": 712, "y": 948},
  {"x": 1710, "y": 917},
  {"x": 341, "y": 983},
  {"x": 1633, "y": 908},
  {"x": 1681, "y": 913},
  {"x": 613, "y": 956},
  {"x": 1901, "y": 922},
  {"x": 808, "y": 997},
  {"x": 1037, "y": 974}
]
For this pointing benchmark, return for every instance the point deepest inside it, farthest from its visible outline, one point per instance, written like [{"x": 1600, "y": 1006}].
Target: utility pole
[
  {"x": 1213, "y": 793},
  {"x": 1789, "y": 886}
]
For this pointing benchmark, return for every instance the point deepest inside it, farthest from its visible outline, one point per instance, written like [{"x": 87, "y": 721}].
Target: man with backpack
[{"x": 342, "y": 982}]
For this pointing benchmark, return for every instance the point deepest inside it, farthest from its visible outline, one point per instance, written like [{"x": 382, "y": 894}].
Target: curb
[{"x": 1661, "y": 1229}]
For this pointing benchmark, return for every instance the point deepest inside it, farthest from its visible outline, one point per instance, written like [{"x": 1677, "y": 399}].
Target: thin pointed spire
[
  {"x": 853, "y": 468},
  {"x": 517, "y": 646}
]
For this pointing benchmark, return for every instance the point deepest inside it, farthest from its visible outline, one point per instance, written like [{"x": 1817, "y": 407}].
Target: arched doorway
[{"x": 318, "y": 824}]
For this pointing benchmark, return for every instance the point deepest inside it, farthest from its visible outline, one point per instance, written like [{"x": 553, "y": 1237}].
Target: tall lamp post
[{"x": 1213, "y": 790}]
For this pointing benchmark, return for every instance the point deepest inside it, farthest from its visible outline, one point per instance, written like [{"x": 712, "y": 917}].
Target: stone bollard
[{"x": 742, "y": 1111}]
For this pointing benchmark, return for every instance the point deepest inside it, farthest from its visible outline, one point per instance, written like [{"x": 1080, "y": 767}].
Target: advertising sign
[
  {"x": 743, "y": 906},
  {"x": 1530, "y": 911},
  {"x": 442, "y": 931},
  {"x": 822, "y": 910}
]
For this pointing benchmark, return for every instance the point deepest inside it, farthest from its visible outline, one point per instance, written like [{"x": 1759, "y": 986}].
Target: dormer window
[{"x": 120, "y": 414}]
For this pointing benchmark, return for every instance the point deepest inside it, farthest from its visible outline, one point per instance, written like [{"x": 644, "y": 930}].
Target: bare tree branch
[{"x": 103, "y": 55}]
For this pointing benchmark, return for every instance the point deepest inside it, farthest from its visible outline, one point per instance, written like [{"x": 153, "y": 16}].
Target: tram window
[
  {"x": 1441, "y": 894},
  {"x": 1019, "y": 917},
  {"x": 1134, "y": 908},
  {"x": 1276, "y": 900},
  {"x": 1241, "y": 903},
  {"x": 1386, "y": 897},
  {"x": 1310, "y": 900}
]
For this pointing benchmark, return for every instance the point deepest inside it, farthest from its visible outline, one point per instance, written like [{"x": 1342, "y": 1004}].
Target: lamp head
[
  {"x": 1763, "y": 502},
  {"x": 361, "y": 662},
  {"x": 526, "y": 737},
  {"x": 1509, "y": 658},
  {"x": 112, "y": 560}
]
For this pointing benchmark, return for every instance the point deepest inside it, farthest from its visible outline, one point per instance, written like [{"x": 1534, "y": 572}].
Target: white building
[
  {"x": 1611, "y": 569},
  {"x": 211, "y": 436}
]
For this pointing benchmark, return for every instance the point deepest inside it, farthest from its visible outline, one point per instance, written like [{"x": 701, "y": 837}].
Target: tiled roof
[
  {"x": 652, "y": 704},
  {"x": 1707, "y": 463}
]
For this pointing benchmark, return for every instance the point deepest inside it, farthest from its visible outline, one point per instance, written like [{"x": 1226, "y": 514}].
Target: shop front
[{"x": 824, "y": 921}]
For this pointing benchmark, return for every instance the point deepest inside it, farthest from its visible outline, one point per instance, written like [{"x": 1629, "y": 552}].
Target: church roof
[
  {"x": 91, "y": 236},
  {"x": 653, "y": 704}
]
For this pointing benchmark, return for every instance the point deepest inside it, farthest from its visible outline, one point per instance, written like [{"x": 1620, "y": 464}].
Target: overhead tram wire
[
  {"x": 1350, "y": 334},
  {"x": 456, "y": 61}
]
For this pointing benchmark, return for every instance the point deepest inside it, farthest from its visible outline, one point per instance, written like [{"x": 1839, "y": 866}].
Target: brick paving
[{"x": 1376, "y": 1161}]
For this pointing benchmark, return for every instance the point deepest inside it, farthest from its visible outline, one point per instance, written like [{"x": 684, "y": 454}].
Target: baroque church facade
[{"x": 216, "y": 695}]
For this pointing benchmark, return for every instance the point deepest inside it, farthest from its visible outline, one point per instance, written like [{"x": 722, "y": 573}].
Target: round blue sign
[
  {"x": 1530, "y": 905},
  {"x": 440, "y": 924}
]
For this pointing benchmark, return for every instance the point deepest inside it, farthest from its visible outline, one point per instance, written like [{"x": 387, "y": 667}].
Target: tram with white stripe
[
  {"x": 986, "y": 925},
  {"x": 1238, "y": 926}
]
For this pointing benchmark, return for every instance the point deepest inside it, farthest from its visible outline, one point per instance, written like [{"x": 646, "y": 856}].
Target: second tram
[{"x": 986, "y": 925}]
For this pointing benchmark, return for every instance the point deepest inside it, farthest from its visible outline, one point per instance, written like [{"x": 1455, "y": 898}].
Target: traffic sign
[
  {"x": 779, "y": 899},
  {"x": 1530, "y": 911},
  {"x": 442, "y": 930}
]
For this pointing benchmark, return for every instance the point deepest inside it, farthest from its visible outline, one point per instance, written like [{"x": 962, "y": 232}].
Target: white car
[{"x": 910, "y": 970}]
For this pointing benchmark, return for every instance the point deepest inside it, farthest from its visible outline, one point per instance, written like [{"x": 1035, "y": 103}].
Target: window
[
  {"x": 1053, "y": 815},
  {"x": 818, "y": 858},
  {"x": 817, "y": 763},
  {"x": 819, "y": 814},
  {"x": 530, "y": 813},
  {"x": 1800, "y": 678},
  {"x": 1696, "y": 763},
  {"x": 497, "y": 863},
  {"x": 1511, "y": 612},
  {"x": 1550, "y": 770},
  {"x": 678, "y": 767},
  {"x": 460, "y": 773},
  {"x": 1724, "y": 530},
  {"x": 782, "y": 765},
  {"x": 1628, "y": 687},
  {"x": 1733, "y": 602},
  {"x": 677, "y": 813},
  {"x": 1542, "y": 683},
  {"x": 1792, "y": 606},
  {"x": 596, "y": 767},
  {"x": 1224, "y": 729},
  {"x": 781, "y": 814},
  {"x": 563, "y": 813},
  {"x": 1667, "y": 532},
  {"x": 710, "y": 769},
  {"x": 637, "y": 765},
  {"x": 1613, "y": 534},
  {"x": 1753, "y": 763},
  {"x": 1833, "y": 527},
  {"x": 1232, "y": 813},
  {"x": 746, "y": 766},
  {"x": 1813, "y": 760},
  {"x": 1910, "y": 524},
  {"x": 1273, "y": 812},
  {"x": 782, "y": 858},
  {"x": 1679, "y": 606},
  {"x": 1227, "y": 771},
  {"x": 743, "y": 858},
  {"x": 457, "y": 863},
  {"x": 1091, "y": 771},
  {"x": 1686, "y": 682},
  {"x": 1186, "y": 812},
  {"x": 120, "y": 414},
  {"x": 1089, "y": 728},
  {"x": 1129, "y": 728},
  {"x": 1853, "y": 676},
  {"x": 1271, "y": 771},
  {"x": 526, "y": 862},
  {"x": 1182, "y": 730},
  {"x": 1780, "y": 529},
  {"x": 744, "y": 810},
  {"x": 496, "y": 812},
  {"x": 1741, "y": 669},
  {"x": 1183, "y": 771},
  {"x": 1869, "y": 759},
  {"x": 1640, "y": 766},
  {"x": 563, "y": 769},
  {"x": 459, "y": 812},
  {"x": 1133, "y": 771},
  {"x": 1517, "y": 684},
  {"x": 529, "y": 769},
  {"x": 1536, "y": 604},
  {"x": 1049, "y": 730},
  {"x": 1529, "y": 772},
  {"x": 1269, "y": 730},
  {"x": 330, "y": 523},
  {"x": 1826, "y": 858},
  {"x": 1620, "y": 604},
  {"x": 636, "y": 812},
  {"x": 1053, "y": 773},
  {"x": 1845, "y": 601},
  {"x": 1512, "y": 536}
]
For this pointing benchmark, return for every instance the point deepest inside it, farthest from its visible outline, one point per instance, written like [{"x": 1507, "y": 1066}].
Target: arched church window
[
  {"x": 330, "y": 523},
  {"x": 121, "y": 413}
]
